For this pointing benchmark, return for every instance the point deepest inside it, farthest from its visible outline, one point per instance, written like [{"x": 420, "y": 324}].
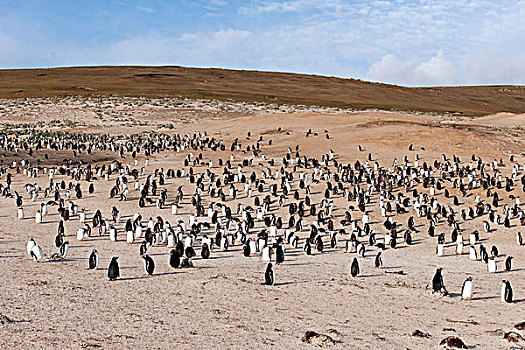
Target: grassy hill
[{"x": 254, "y": 86}]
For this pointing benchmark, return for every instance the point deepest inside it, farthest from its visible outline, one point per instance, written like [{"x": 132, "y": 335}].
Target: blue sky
[{"x": 419, "y": 42}]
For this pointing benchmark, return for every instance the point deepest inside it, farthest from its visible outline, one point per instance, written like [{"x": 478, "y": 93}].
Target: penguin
[
  {"x": 354, "y": 268},
  {"x": 63, "y": 249},
  {"x": 506, "y": 292},
  {"x": 36, "y": 253},
  {"x": 486, "y": 226},
  {"x": 113, "y": 269},
  {"x": 494, "y": 251},
  {"x": 149, "y": 265},
  {"x": 30, "y": 244},
  {"x": 472, "y": 255},
  {"x": 267, "y": 253},
  {"x": 439, "y": 249},
  {"x": 279, "y": 254},
  {"x": 466, "y": 290},
  {"x": 189, "y": 252},
  {"x": 437, "y": 282},
  {"x": 508, "y": 263},
  {"x": 459, "y": 247},
  {"x": 319, "y": 244},
  {"x": 94, "y": 260},
  {"x": 307, "y": 248},
  {"x": 205, "y": 251},
  {"x": 174, "y": 258},
  {"x": 379, "y": 261},
  {"x": 269, "y": 275},
  {"x": 492, "y": 264},
  {"x": 143, "y": 249},
  {"x": 246, "y": 250},
  {"x": 519, "y": 239}
]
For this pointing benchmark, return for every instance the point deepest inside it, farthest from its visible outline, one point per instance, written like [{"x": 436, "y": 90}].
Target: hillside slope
[{"x": 254, "y": 86}]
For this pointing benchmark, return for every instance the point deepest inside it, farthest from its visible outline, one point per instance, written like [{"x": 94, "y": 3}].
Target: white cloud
[{"x": 436, "y": 71}]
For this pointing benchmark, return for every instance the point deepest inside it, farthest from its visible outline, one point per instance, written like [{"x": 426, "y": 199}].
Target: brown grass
[{"x": 253, "y": 86}]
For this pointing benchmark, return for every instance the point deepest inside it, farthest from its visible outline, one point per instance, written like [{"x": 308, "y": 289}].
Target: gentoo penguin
[
  {"x": 205, "y": 251},
  {"x": 439, "y": 249},
  {"x": 508, "y": 263},
  {"x": 466, "y": 290},
  {"x": 519, "y": 238},
  {"x": 189, "y": 252},
  {"x": 267, "y": 253},
  {"x": 63, "y": 249},
  {"x": 307, "y": 248},
  {"x": 174, "y": 258},
  {"x": 36, "y": 253},
  {"x": 143, "y": 249},
  {"x": 459, "y": 247},
  {"x": 149, "y": 265},
  {"x": 319, "y": 244},
  {"x": 269, "y": 275},
  {"x": 93, "y": 260},
  {"x": 506, "y": 292},
  {"x": 279, "y": 254},
  {"x": 437, "y": 282},
  {"x": 379, "y": 261},
  {"x": 361, "y": 250},
  {"x": 491, "y": 265},
  {"x": 354, "y": 268},
  {"x": 246, "y": 250},
  {"x": 113, "y": 269},
  {"x": 30, "y": 244},
  {"x": 486, "y": 226},
  {"x": 472, "y": 255},
  {"x": 494, "y": 251}
]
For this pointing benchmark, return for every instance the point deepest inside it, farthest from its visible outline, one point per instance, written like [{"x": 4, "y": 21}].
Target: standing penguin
[
  {"x": 143, "y": 249},
  {"x": 437, "y": 282},
  {"x": 174, "y": 258},
  {"x": 506, "y": 292},
  {"x": 307, "y": 248},
  {"x": 508, "y": 263},
  {"x": 491, "y": 265},
  {"x": 466, "y": 290},
  {"x": 269, "y": 275},
  {"x": 63, "y": 249},
  {"x": 149, "y": 265},
  {"x": 205, "y": 251},
  {"x": 30, "y": 244},
  {"x": 93, "y": 260},
  {"x": 354, "y": 268},
  {"x": 379, "y": 261},
  {"x": 36, "y": 253},
  {"x": 113, "y": 269},
  {"x": 246, "y": 250},
  {"x": 279, "y": 254}
]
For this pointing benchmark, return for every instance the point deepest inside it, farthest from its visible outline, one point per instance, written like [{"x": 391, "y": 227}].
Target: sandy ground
[{"x": 221, "y": 302}]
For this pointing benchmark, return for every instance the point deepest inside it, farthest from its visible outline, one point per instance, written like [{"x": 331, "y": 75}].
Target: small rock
[
  {"x": 312, "y": 337},
  {"x": 453, "y": 342},
  {"x": 520, "y": 326},
  {"x": 513, "y": 337},
  {"x": 418, "y": 333},
  {"x": 498, "y": 332}
]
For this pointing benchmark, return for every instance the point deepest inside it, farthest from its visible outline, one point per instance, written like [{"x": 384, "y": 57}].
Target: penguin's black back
[
  {"x": 174, "y": 259},
  {"x": 113, "y": 270}
]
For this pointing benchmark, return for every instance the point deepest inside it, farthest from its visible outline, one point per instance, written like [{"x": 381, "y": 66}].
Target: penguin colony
[{"x": 440, "y": 194}]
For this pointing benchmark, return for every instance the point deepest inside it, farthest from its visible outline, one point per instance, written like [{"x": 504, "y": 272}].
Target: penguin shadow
[
  {"x": 485, "y": 298},
  {"x": 368, "y": 276},
  {"x": 133, "y": 278},
  {"x": 391, "y": 267},
  {"x": 519, "y": 301}
]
